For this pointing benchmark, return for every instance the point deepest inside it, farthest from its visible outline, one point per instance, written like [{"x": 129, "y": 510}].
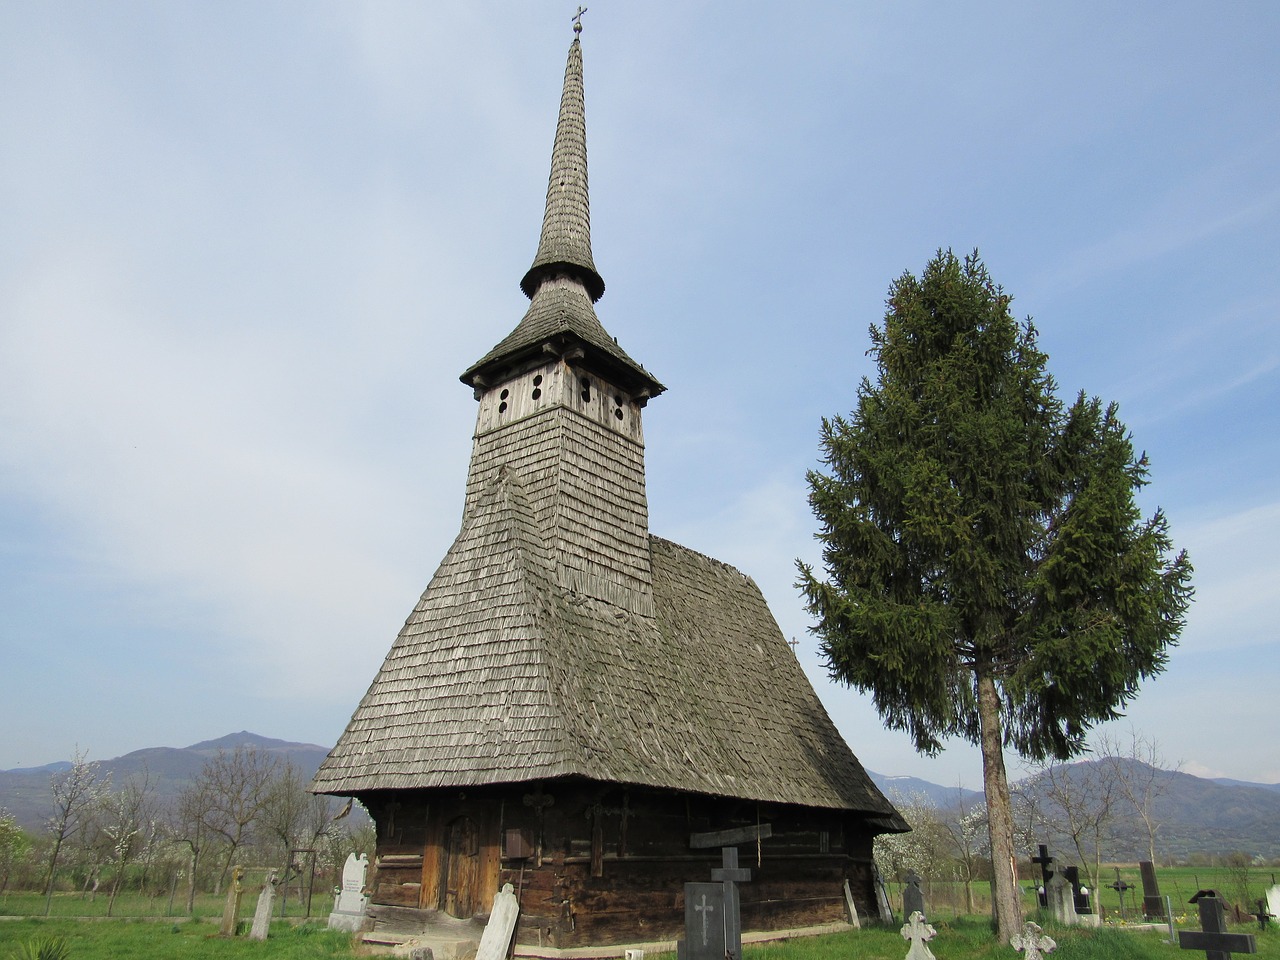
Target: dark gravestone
[
  {"x": 1078, "y": 891},
  {"x": 913, "y": 897},
  {"x": 704, "y": 921},
  {"x": 1152, "y": 902},
  {"x": 1212, "y": 937}
]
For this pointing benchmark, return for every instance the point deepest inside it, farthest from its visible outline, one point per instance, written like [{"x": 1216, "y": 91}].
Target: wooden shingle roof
[{"x": 500, "y": 675}]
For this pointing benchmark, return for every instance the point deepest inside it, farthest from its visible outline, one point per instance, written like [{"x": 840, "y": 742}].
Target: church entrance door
[{"x": 460, "y": 893}]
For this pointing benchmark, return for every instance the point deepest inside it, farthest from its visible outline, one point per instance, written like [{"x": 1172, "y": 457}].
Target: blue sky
[{"x": 247, "y": 248}]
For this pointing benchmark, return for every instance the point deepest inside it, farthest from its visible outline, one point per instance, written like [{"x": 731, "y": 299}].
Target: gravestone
[
  {"x": 231, "y": 909},
  {"x": 913, "y": 896},
  {"x": 1032, "y": 941},
  {"x": 918, "y": 933},
  {"x": 1061, "y": 900},
  {"x": 1212, "y": 937},
  {"x": 496, "y": 939},
  {"x": 350, "y": 902},
  {"x": 1084, "y": 904},
  {"x": 1152, "y": 902},
  {"x": 1273, "y": 900},
  {"x": 703, "y": 922},
  {"x": 262, "y": 915}
]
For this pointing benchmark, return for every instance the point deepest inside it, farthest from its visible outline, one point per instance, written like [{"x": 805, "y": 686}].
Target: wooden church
[{"x": 573, "y": 698}]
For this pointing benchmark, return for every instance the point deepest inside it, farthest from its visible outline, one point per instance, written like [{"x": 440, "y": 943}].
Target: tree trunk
[{"x": 1008, "y": 904}]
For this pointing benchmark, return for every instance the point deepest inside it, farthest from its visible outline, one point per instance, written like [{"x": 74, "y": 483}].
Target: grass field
[{"x": 963, "y": 939}]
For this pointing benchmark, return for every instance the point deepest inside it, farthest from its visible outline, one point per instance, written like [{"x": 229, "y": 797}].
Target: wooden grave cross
[{"x": 1212, "y": 937}]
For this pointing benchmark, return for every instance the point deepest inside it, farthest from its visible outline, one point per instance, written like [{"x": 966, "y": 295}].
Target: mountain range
[{"x": 1196, "y": 815}]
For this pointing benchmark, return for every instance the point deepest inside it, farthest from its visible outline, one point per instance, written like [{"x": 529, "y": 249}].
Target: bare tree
[
  {"x": 236, "y": 786},
  {"x": 294, "y": 818},
  {"x": 188, "y": 823},
  {"x": 1141, "y": 777},
  {"x": 1085, "y": 794},
  {"x": 76, "y": 791}
]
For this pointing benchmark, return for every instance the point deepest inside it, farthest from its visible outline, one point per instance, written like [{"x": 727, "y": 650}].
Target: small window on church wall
[
  {"x": 586, "y": 389},
  {"x": 617, "y": 410},
  {"x": 537, "y": 382}
]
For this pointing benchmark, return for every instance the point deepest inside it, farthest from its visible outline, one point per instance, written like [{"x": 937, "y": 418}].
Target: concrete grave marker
[
  {"x": 1061, "y": 900},
  {"x": 1032, "y": 941},
  {"x": 262, "y": 915},
  {"x": 496, "y": 938},
  {"x": 350, "y": 902},
  {"x": 1273, "y": 900},
  {"x": 916, "y": 932},
  {"x": 231, "y": 909}
]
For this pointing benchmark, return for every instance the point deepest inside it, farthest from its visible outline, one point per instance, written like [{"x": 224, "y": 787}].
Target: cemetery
[{"x": 588, "y": 741}]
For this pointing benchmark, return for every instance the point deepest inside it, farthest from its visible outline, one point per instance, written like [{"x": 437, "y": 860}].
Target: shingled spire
[
  {"x": 565, "y": 244},
  {"x": 563, "y": 282}
]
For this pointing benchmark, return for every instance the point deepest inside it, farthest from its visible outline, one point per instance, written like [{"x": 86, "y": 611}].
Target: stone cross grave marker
[
  {"x": 1212, "y": 936},
  {"x": 1032, "y": 941},
  {"x": 729, "y": 875},
  {"x": 918, "y": 933},
  {"x": 1061, "y": 900},
  {"x": 1152, "y": 902},
  {"x": 913, "y": 896},
  {"x": 1043, "y": 860},
  {"x": 231, "y": 909},
  {"x": 262, "y": 915},
  {"x": 496, "y": 938},
  {"x": 350, "y": 902}
]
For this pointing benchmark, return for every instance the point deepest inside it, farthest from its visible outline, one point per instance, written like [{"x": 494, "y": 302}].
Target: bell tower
[{"x": 560, "y": 400}]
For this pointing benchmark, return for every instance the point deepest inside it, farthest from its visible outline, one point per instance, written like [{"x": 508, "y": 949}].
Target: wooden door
[{"x": 460, "y": 893}]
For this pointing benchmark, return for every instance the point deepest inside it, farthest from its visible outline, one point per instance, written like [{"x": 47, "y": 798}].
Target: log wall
[{"x": 595, "y": 865}]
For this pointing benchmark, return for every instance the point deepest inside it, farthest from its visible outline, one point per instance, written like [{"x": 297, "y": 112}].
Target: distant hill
[
  {"x": 943, "y": 798},
  {"x": 1196, "y": 815},
  {"x": 25, "y": 792}
]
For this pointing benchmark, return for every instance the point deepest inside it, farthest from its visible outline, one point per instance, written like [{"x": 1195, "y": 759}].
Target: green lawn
[
  {"x": 151, "y": 940},
  {"x": 963, "y": 939}
]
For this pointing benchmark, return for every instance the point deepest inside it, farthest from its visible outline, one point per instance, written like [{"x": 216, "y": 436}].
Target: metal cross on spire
[{"x": 577, "y": 19}]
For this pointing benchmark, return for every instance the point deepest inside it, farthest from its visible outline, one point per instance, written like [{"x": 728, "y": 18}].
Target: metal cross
[{"x": 577, "y": 19}]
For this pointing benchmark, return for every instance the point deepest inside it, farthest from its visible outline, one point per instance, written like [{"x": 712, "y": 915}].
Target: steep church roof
[{"x": 558, "y": 637}]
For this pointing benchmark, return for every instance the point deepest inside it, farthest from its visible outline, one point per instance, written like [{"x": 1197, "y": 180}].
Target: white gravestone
[
  {"x": 1273, "y": 900},
  {"x": 262, "y": 915},
  {"x": 1032, "y": 942},
  {"x": 350, "y": 902},
  {"x": 502, "y": 924},
  {"x": 917, "y": 933}
]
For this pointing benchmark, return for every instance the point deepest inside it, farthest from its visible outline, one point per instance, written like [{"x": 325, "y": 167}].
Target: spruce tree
[{"x": 989, "y": 575}]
